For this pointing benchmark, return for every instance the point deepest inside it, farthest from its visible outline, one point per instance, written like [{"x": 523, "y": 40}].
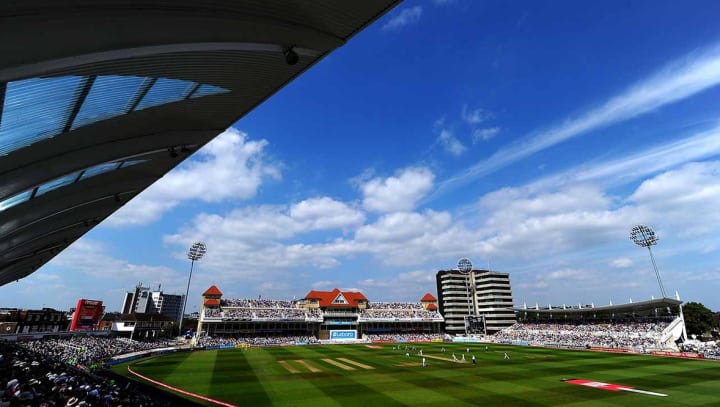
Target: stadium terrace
[{"x": 325, "y": 315}]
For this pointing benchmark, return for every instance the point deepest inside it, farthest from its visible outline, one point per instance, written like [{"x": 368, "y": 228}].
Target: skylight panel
[
  {"x": 208, "y": 90},
  {"x": 36, "y": 109},
  {"x": 40, "y": 108},
  {"x": 164, "y": 91},
  {"x": 99, "y": 169},
  {"x": 130, "y": 163},
  {"x": 56, "y": 183},
  {"x": 109, "y": 97},
  {"x": 67, "y": 180},
  {"x": 14, "y": 200}
]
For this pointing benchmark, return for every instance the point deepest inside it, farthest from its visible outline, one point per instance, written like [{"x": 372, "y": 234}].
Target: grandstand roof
[
  {"x": 98, "y": 100},
  {"x": 212, "y": 302},
  {"x": 335, "y": 298},
  {"x": 428, "y": 297},
  {"x": 639, "y": 307},
  {"x": 213, "y": 290}
]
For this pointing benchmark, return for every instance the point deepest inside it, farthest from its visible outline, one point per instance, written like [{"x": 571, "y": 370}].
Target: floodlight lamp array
[
  {"x": 643, "y": 236},
  {"x": 197, "y": 251}
]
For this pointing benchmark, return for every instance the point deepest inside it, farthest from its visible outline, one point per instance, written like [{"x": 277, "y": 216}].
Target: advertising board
[{"x": 342, "y": 334}]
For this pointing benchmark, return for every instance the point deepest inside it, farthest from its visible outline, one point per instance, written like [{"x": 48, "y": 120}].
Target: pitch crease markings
[
  {"x": 338, "y": 364},
  {"x": 308, "y": 366},
  {"x": 287, "y": 367},
  {"x": 444, "y": 358},
  {"x": 358, "y": 364}
]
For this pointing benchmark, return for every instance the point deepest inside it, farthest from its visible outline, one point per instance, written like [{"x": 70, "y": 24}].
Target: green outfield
[{"x": 362, "y": 375}]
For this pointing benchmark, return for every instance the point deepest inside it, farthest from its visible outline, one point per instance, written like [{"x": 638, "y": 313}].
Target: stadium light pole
[
  {"x": 465, "y": 267},
  {"x": 644, "y": 236},
  {"x": 196, "y": 252}
]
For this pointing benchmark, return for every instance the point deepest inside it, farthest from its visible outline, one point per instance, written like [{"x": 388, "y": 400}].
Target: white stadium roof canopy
[
  {"x": 99, "y": 99},
  {"x": 626, "y": 308}
]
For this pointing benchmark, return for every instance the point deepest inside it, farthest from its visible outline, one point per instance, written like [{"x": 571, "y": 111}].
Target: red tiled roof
[
  {"x": 354, "y": 296},
  {"x": 326, "y": 298},
  {"x": 212, "y": 291},
  {"x": 428, "y": 297},
  {"x": 432, "y": 307},
  {"x": 212, "y": 302}
]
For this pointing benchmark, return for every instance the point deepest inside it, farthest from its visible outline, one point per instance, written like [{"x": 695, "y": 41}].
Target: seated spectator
[{"x": 634, "y": 335}]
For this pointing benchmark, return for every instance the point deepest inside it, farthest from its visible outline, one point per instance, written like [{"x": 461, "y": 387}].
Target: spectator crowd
[
  {"x": 606, "y": 334},
  {"x": 250, "y": 314},
  {"x": 37, "y": 375},
  {"x": 416, "y": 306},
  {"x": 257, "y": 341},
  {"x": 86, "y": 350},
  {"x": 259, "y": 303},
  {"x": 404, "y": 337},
  {"x": 710, "y": 350},
  {"x": 250, "y": 309},
  {"x": 370, "y": 314}
]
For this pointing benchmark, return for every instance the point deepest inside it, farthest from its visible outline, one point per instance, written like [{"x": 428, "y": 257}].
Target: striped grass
[{"x": 319, "y": 376}]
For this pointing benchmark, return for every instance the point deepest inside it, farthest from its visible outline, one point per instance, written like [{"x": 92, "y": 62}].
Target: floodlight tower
[
  {"x": 465, "y": 268},
  {"x": 196, "y": 252},
  {"x": 644, "y": 236}
]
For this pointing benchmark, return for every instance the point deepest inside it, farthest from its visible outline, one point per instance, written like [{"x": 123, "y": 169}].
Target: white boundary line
[
  {"x": 185, "y": 392},
  {"x": 652, "y": 393}
]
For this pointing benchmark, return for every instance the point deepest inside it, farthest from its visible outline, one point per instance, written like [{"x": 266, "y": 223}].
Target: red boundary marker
[{"x": 175, "y": 389}]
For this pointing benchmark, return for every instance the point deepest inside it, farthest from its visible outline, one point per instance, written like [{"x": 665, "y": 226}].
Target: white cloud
[
  {"x": 642, "y": 163},
  {"x": 626, "y": 169},
  {"x": 679, "y": 80},
  {"x": 229, "y": 167},
  {"x": 620, "y": 263},
  {"x": 530, "y": 222},
  {"x": 450, "y": 144},
  {"x": 684, "y": 199},
  {"x": 580, "y": 234},
  {"x": 574, "y": 286},
  {"x": 406, "y": 286},
  {"x": 325, "y": 213},
  {"x": 410, "y": 238},
  {"x": 474, "y": 117},
  {"x": 403, "y": 227},
  {"x": 93, "y": 258},
  {"x": 486, "y": 134},
  {"x": 325, "y": 285},
  {"x": 257, "y": 242},
  {"x": 405, "y": 17},
  {"x": 516, "y": 223},
  {"x": 713, "y": 275},
  {"x": 397, "y": 193},
  {"x": 261, "y": 224},
  {"x": 365, "y": 176},
  {"x": 513, "y": 206},
  {"x": 569, "y": 274},
  {"x": 275, "y": 288},
  {"x": 581, "y": 224},
  {"x": 534, "y": 285}
]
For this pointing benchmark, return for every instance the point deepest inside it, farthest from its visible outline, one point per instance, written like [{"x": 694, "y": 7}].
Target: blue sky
[{"x": 530, "y": 136}]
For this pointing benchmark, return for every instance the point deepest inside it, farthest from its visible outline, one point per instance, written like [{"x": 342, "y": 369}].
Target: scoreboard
[
  {"x": 87, "y": 315},
  {"x": 475, "y": 324}
]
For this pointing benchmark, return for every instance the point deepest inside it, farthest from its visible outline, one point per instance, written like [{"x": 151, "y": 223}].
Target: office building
[{"x": 476, "y": 302}]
